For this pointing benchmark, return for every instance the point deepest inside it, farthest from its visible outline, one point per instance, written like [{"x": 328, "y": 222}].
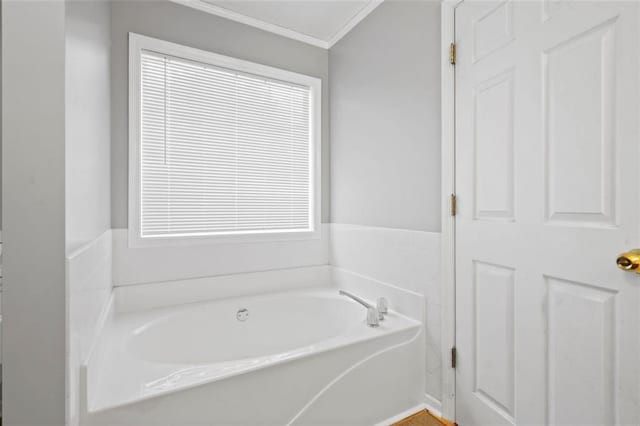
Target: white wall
[
  {"x": 33, "y": 136},
  {"x": 385, "y": 165},
  {"x": 88, "y": 187}
]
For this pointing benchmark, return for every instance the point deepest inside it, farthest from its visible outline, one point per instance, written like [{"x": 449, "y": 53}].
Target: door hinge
[
  {"x": 454, "y": 204},
  {"x": 452, "y": 54},
  {"x": 454, "y": 356}
]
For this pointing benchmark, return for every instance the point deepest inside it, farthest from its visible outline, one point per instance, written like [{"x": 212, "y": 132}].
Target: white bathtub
[{"x": 281, "y": 357}]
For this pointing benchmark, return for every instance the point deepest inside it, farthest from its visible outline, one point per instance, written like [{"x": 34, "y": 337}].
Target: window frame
[{"x": 139, "y": 43}]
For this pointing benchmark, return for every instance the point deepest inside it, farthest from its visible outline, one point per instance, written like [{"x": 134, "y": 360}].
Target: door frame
[{"x": 448, "y": 182}]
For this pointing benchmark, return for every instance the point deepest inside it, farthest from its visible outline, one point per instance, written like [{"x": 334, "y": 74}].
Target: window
[{"x": 220, "y": 149}]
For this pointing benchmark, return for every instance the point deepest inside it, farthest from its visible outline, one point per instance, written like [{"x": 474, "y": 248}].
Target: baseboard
[
  {"x": 433, "y": 405},
  {"x": 402, "y": 415}
]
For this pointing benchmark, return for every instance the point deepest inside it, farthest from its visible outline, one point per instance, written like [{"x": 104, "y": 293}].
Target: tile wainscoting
[
  {"x": 169, "y": 293},
  {"x": 401, "y": 265},
  {"x": 89, "y": 286},
  {"x": 157, "y": 264}
]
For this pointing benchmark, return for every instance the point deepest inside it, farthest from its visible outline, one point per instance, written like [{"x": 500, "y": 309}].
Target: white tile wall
[
  {"x": 406, "y": 302},
  {"x": 405, "y": 266},
  {"x": 155, "y": 295},
  {"x": 89, "y": 284},
  {"x": 407, "y": 259},
  {"x": 155, "y": 264}
]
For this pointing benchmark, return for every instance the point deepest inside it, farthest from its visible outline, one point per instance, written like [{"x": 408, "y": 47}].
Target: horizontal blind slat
[{"x": 221, "y": 151}]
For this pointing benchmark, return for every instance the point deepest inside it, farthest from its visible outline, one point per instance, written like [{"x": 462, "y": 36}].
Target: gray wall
[
  {"x": 183, "y": 25},
  {"x": 385, "y": 119},
  {"x": 88, "y": 118},
  {"x": 33, "y": 290}
]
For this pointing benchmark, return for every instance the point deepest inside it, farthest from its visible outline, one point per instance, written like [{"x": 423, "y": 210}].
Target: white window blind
[{"x": 222, "y": 152}]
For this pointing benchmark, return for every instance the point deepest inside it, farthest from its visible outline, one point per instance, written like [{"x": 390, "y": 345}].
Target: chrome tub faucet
[{"x": 374, "y": 314}]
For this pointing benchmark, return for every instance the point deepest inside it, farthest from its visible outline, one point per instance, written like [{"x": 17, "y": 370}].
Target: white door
[{"x": 547, "y": 177}]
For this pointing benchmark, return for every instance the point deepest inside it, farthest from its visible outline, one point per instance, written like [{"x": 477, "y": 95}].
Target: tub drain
[{"x": 242, "y": 314}]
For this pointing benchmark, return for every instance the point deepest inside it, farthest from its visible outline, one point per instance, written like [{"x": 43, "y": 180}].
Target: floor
[{"x": 423, "y": 418}]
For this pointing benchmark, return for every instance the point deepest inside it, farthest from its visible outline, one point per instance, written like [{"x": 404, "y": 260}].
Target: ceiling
[{"x": 318, "y": 22}]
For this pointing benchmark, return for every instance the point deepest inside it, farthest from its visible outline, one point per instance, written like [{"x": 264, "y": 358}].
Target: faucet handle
[
  {"x": 373, "y": 317},
  {"x": 383, "y": 306}
]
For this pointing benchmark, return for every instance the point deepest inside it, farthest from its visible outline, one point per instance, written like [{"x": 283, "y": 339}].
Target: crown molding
[
  {"x": 355, "y": 20},
  {"x": 277, "y": 29}
]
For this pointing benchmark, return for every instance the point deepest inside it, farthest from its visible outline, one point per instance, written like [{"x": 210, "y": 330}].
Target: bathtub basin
[
  {"x": 153, "y": 353},
  {"x": 243, "y": 328}
]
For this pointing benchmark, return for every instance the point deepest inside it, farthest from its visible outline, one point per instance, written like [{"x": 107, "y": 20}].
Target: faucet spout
[
  {"x": 373, "y": 316},
  {"x": 356, "y": 298}
]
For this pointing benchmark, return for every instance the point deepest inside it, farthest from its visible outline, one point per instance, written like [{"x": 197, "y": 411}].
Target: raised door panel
[
  {"x": 580, "y": 353},
  {"x": 579, "y": 89},
  {"x": 493, "y": 148},
  {"x": 492, "y": 30},
  {"x": 494, "y": 336}
]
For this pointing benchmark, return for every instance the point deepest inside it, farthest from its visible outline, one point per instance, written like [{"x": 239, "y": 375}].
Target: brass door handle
[{"x": 629, "y": 261}]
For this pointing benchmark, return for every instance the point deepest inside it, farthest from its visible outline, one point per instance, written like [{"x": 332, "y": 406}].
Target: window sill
[{"x": 136, "y": 241}]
